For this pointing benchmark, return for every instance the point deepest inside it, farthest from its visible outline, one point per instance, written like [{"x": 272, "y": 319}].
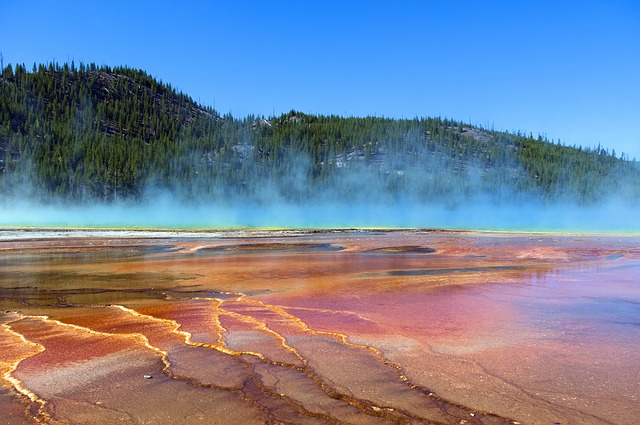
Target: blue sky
[{"x": 569, "y": 70}]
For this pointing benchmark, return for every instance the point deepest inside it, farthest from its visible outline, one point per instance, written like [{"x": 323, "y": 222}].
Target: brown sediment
[
  {"x": 405, "y": 249},
  {"x": 271, "y": 247},
  {"x": 484, "y": 329}
]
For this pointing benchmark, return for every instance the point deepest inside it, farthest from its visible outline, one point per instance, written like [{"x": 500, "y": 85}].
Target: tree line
[{"x": 94, "y": 133}]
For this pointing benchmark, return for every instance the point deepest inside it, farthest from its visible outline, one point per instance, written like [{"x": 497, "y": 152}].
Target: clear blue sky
[{"x": 569, "y": 70}]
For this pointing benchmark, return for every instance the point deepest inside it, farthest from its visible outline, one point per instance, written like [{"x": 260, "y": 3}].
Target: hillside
[{"x": 92, "y": 133}]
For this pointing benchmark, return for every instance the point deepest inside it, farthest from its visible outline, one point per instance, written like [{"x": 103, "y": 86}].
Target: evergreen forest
[{"x": 92, "y": 133}]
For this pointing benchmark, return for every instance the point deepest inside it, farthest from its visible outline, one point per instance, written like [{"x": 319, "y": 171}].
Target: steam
[
  {"x": 406, "y": 189},
  {"x": 357, "y": 198},
  {"x": 168, "y": 214}
]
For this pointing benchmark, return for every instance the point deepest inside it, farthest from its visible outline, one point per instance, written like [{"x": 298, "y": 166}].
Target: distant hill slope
[{"x": 99, "y": 133}]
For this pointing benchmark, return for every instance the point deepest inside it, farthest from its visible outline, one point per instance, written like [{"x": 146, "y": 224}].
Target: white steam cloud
[{"x": 398, "y": 192}]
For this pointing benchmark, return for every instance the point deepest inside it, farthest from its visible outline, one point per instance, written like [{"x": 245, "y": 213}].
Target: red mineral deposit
[{"x": 342, "y": 327}]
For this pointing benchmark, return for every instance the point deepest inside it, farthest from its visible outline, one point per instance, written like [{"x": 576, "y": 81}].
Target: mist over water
[
  {"x": 171, "y": 214},
  {"x": 175, "y": 164},
  {"x": 402, "y": 191}
]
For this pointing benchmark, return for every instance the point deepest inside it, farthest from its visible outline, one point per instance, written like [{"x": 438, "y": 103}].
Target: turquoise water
[{"x": 171, "y": 216}]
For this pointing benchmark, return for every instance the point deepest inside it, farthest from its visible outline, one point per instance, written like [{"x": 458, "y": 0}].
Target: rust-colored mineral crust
[{"x": 336, "y": 327}]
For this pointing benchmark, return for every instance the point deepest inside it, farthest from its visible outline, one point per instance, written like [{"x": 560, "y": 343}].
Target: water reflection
[{"x": 91, "y": 254}]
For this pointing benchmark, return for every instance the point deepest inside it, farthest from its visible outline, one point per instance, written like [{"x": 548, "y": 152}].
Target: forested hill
[{"x": 92, "y": 133}]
